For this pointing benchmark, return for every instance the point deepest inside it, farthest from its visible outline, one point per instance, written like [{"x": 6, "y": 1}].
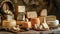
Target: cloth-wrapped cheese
[{"x": 8, "y": 24}]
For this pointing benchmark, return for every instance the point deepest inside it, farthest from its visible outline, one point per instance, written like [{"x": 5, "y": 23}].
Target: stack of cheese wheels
[{"x": 35, "y": 21}]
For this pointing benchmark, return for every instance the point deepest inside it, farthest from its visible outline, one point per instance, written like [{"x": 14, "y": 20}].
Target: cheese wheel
[{"x": 35, "y": 21}]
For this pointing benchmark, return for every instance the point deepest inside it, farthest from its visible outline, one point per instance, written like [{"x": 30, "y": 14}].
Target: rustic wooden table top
[{"x": 55, "y": 31}]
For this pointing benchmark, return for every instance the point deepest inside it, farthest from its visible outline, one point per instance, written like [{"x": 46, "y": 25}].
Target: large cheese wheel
[{"x": 35, "y": 21}]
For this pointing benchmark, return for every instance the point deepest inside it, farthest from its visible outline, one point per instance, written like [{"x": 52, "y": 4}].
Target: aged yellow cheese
[
  {"x": 35, "y": 21},
  {"x": 8, "y": 24},
  {"x": 12, "y": 23},
  {"x": 25, "y": 24},
  {"x": 51, "y": 18},
  {"x": 43, "y": 12},
  {"x": 43, "y": 22},
  {"x": 45, "y": 25}
]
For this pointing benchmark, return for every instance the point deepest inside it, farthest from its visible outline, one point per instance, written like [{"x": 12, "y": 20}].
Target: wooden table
[{"x": 55, "y": 31}]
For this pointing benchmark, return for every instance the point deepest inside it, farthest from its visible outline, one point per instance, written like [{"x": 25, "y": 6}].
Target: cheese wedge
[{"x": 45, "y": 25}]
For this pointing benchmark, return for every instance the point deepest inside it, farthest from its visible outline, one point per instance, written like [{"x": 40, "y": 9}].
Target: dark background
[{"x": 53, "y": 6}]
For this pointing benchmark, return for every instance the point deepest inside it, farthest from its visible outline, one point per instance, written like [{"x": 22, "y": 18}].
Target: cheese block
[
  {"x": 45, "y": 25},
  {"x": 16, "y": 28},
  {"x": 12, "y": 23},
  {"x": 41, "y": 27},
  {"x": 21, "y": 16},
  {"x": 43, "y": 12},
  {"x": 37, "y": 26},
  {"x": 41, "y": 19},
  {"x": 25, "y": 24},
  {"x": 51, "y": 18},
  {"x": 5, "y": 23},
  {"x": 18, "y": 22},
  {"x": 31, "y": 14},
  {"x": 35, "y": 21},
  {"x": 8, "y": 24},
  {"x": 53, "y": 23},
  {"x": 43, "y": 22}
]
